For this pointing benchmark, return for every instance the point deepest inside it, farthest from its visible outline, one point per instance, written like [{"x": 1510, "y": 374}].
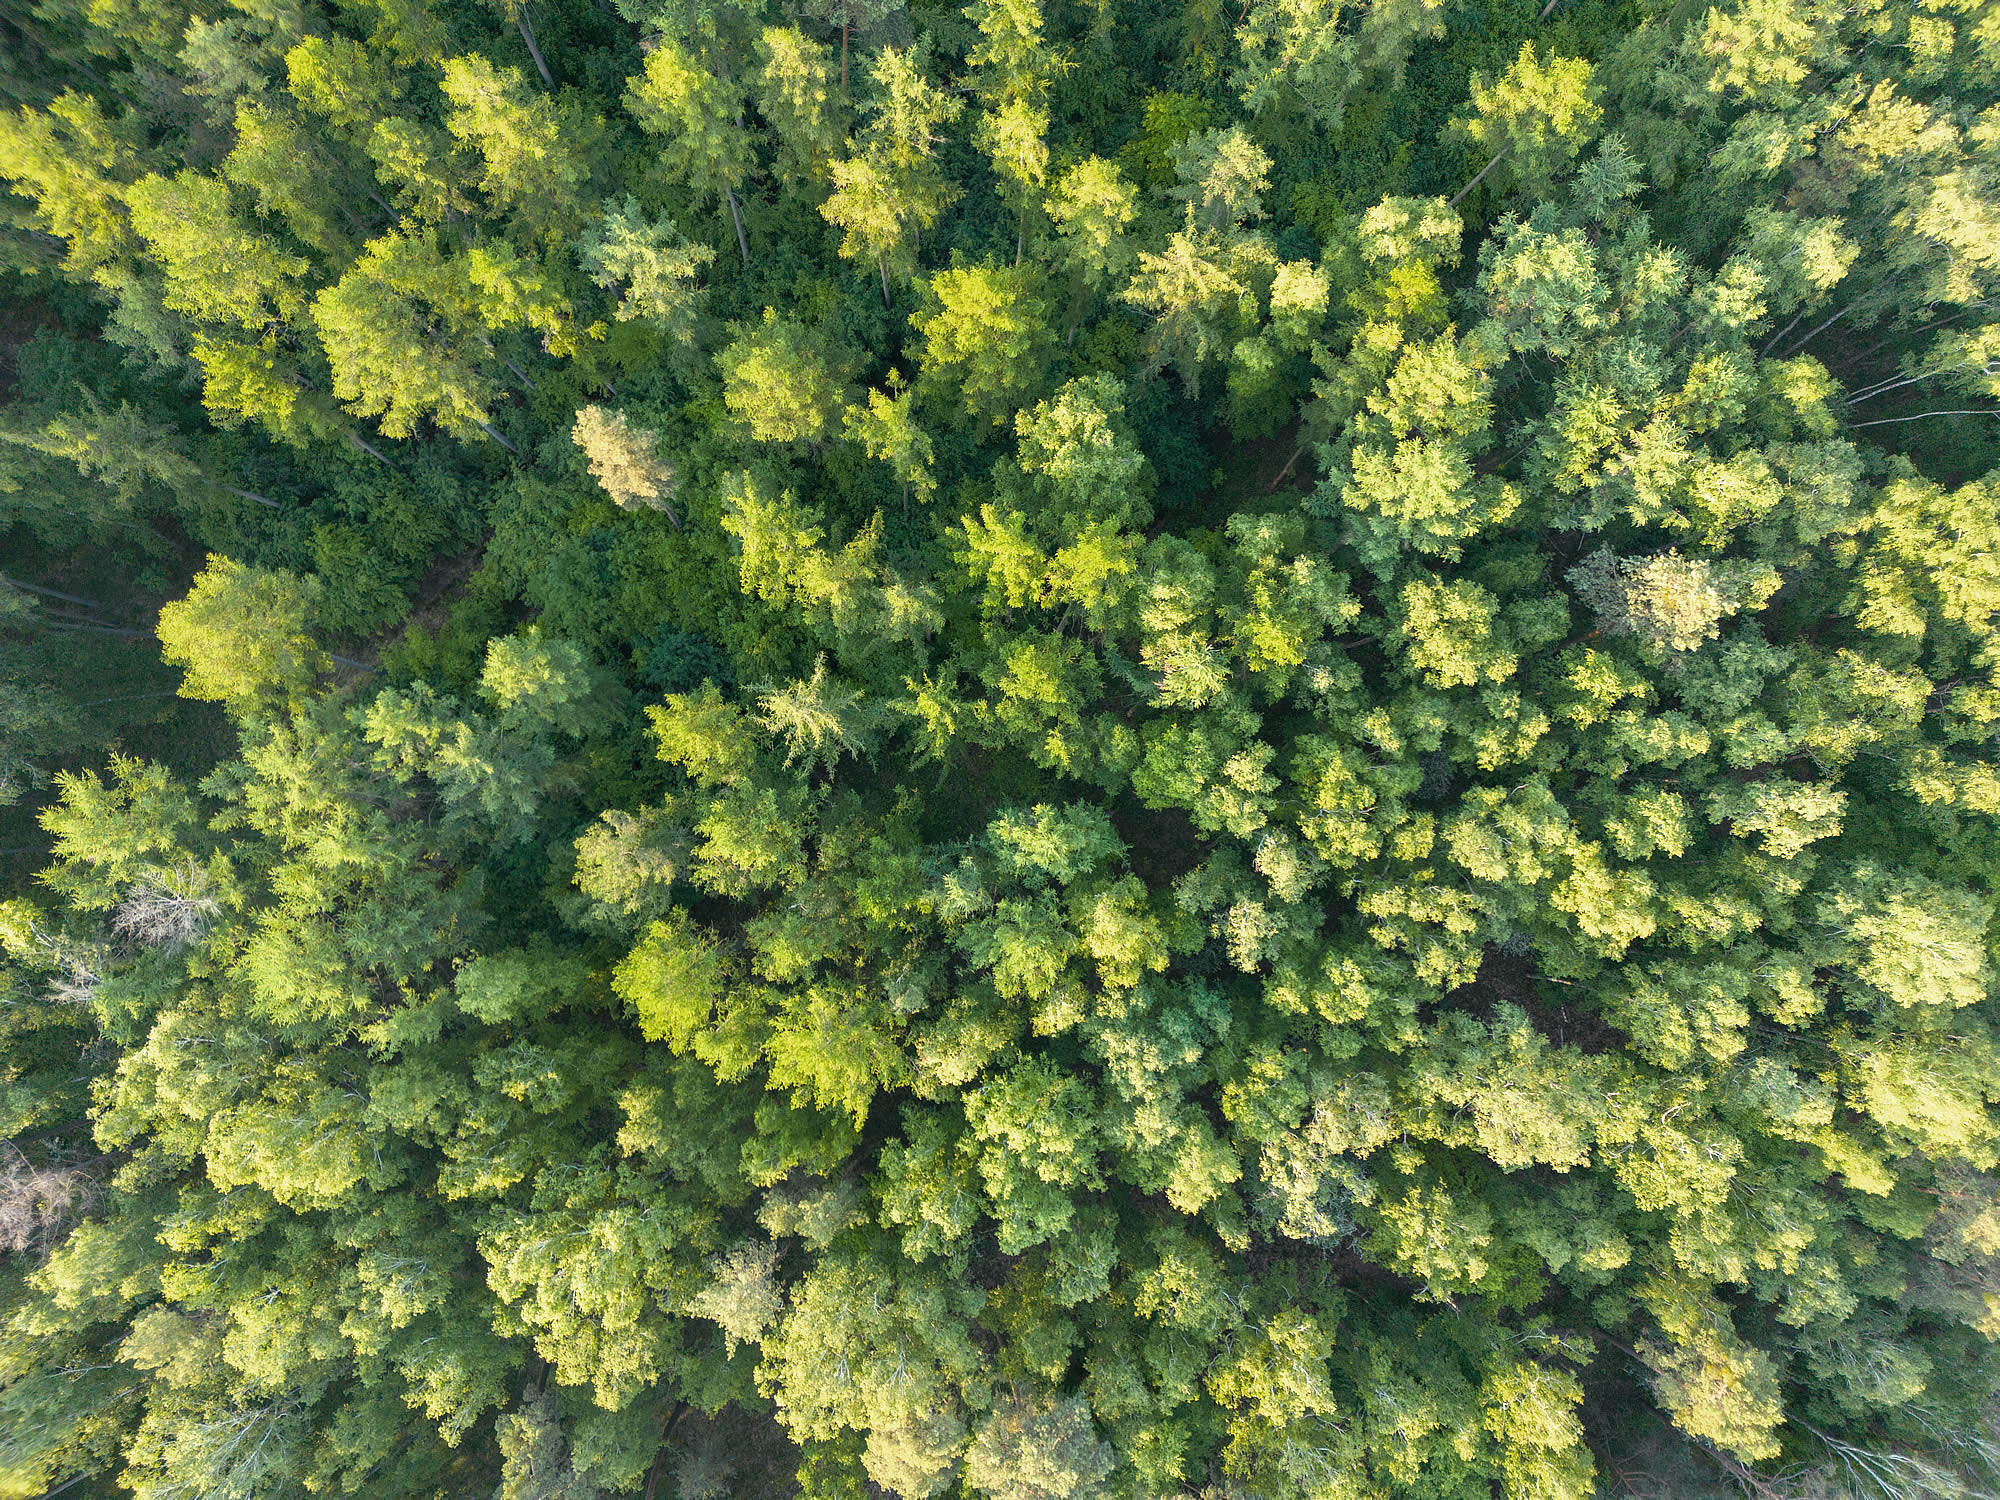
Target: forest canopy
[{"x": 1052, "y": 751}]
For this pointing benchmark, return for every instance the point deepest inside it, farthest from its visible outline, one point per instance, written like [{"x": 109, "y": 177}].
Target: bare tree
[
  {"x": 38, "y": 1203},
  {"x": 170, "y": 908}
]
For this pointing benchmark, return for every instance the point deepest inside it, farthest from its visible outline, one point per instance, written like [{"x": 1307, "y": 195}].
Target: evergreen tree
[{"x": 1384, "y": 889}]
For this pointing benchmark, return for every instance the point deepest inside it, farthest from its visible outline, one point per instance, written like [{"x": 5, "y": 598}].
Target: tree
[
  {"x": 1289, "y": 49},
  {"x": 651, "y": 265},
  {"x": 795, "y": 94},
  {"x": 216, "y": 271},
  {"x": 1674, "y": 601},
  {"x": 851, "y": 16},
  {"x": 782, "y": 382},
  {"x": 886, "y": 428},
  {"x": 698, "y": 118},
  {"x": 819, "y": 720},
  {"x": 888, "y": 193},
  {"x": 1195, "y": 289},
  {"x": 1022, "y": 1453},
  {"x": 877, "y": 222},
  {"x": 74, "y": 161},
  {"x": 123, "y": 449},
  {"x": 1202, "y": 287},
  {"x": 244, "y": 636},
  {"x": 344, "y": 83},
  {"x": 1535, "y": 116},
  {"x": 290, "y": 171},
  {"x": 985, "y": 329},
  {"x": 404, "y": 327},
  {"x": 535, "y": 151},
  {"x": 625, "y": 460},
  {"x": 1010, "y": 70},
  {"x": 1013, "y": 138},
  {"x": 1092, "y": 207}
]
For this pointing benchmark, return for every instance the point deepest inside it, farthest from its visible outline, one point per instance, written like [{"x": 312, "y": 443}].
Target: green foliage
[
  {"x": 782, "y": 382},
  {"x": 984, "y": 330},
  {"x": 1537, "y": 115},
  {"x": 244, "y": 636},
  {"x": 1384, "y": 889}
]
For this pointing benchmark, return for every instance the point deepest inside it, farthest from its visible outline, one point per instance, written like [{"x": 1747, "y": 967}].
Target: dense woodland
[{"x": 1074, "y": 750}]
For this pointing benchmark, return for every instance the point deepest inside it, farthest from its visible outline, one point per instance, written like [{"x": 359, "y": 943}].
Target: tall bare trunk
[
  {"x": 50, "y": 593},
  {"x": 370, "y": 449},
  {"x": 1498, "y": 156},
  {"x": 534, "y": 51},
  {"x": 660, "y": 1458},
  {"x": 499, "y": 437},
  {"x": 1286, "y": 470},
  {"x": 742, "y": 240}
]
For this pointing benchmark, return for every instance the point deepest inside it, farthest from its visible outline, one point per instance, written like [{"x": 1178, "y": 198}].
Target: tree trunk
[
  {"x": 1079, "y": 304},
  {"x": 499, "y": 437},
  {"x": 252, "y": 495},
  {"x": 528, "y": 36},
  {"x": 742, "y": 241},
  {"x": 660, "y": 1458},
  {"x": 883, "y": 266},
  {"x": 133, "y": 635},
  {"x": 1286, "y": 470},
  {"x": 1963, "y": 411},
  {"x": 84, "y": 68},
  {"x": 368, "y": 448},
  {"x": 1498, "y": 156},
  {"x": 843, "y": 56},
  {"x": 126, "y": 698},
  {"x": 1889, "y": 387},
  {"x": 67, "y": 1483},
  {"x": 50, "y": 593},
  {"x": 1764, "y": 352},
  {"x": 1821, "y": 329},
  {"x": 147, "y": 635}
]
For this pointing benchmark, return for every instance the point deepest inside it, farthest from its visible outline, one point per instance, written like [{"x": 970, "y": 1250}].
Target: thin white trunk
[{"x": 1962, "y": 412}]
